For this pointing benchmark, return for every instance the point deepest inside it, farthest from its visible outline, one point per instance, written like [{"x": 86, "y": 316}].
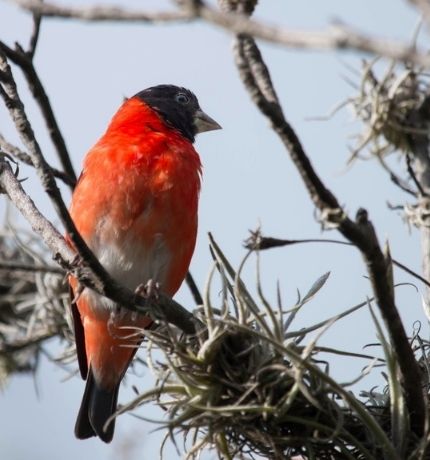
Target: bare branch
[
  {"x": 361, "y": 232},
  {"x": 424, "y": 7},
  {"x": 37, "y": 20},
  {"x": 25, "y": 62},
  {"x": 336, "y": 37},
  {"x": 101, "y": 12},
  {"x": 8, "y": 266},
  {"x": 401, "y": 184},
  {"x": 413, "y": 176}
]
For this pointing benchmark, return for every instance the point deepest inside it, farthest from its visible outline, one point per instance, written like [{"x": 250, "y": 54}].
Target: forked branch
[{"x": 360, "y": 232}]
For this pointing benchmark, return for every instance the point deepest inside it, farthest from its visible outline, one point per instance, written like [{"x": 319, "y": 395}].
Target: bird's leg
[
  {"x": 150, "y": 290},
  {"x": 77, "y": 261},
  {"x": 68, "y": 266}
]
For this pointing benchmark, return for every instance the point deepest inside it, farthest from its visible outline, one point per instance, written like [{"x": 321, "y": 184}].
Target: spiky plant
[{"x": 249, "y": 384}]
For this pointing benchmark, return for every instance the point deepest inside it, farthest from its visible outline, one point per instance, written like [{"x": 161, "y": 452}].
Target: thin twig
[
  {"x": 37, "y": 21},
  {"x": 101, "y": 13},
  {"x": 414, "y": 177},
  {"x": 400, "y": 183},
  {"x": 16, "y": 152},
  {"x": 261, "y": 243},
  {"x": 424, "y": 7},
  {"x": 396, "y": 179}
]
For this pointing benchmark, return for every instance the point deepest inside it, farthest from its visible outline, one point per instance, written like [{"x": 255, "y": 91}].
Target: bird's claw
[
  {"x": 150, "y": 290},
  {"x": 77, "y": 260}
]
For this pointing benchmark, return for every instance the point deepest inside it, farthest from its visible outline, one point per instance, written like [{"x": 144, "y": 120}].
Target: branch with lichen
[
  {"x": 256, "y": 78},
  {"x": 394, "y": 109},
  {"x": 33, "y": 302}
]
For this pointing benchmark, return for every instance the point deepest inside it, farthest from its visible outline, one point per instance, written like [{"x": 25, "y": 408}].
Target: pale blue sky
[{"x": 248, "y": 179}]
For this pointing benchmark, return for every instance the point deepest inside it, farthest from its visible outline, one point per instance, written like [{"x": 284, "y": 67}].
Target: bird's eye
[{"x": 182, "y": 98}]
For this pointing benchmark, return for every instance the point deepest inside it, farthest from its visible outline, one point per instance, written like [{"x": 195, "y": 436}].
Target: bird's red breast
[{"x": 135, "y": 205}]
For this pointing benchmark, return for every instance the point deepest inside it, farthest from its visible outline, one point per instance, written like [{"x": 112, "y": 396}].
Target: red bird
[{"x": 135, "y": 205}]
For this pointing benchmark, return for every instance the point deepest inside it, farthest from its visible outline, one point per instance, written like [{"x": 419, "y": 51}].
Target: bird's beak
[{"x": 204, "y": 122}]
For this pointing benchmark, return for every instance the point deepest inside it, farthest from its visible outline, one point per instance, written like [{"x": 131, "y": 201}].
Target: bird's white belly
[{"x": 130, "y": 263}]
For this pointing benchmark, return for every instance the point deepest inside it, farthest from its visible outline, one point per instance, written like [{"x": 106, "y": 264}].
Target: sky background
[{"x": 249, "y": 180}]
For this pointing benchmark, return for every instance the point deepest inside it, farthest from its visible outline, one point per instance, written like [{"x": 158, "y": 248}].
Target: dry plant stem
[
  {"x": 25, "y": 62},
  {"x": 164, "y": 308},
  {"x": 89, "y": 271},
  {"x": 266, "y": 242},
  {"x": 337, "y": 37},
  {"x": 361, "y": 233}
]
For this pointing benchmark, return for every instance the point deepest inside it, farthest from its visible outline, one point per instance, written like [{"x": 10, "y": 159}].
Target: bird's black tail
[{"x": 98, "y": 404}]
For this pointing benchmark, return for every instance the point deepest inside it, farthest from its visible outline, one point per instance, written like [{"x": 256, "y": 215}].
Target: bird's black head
[{"x": 179, "y": 108}]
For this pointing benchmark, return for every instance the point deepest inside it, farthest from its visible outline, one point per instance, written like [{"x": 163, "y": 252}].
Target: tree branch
[
  {"x": 101, "y": 12},
  {"x": 424, "y": 7},
  {"x": 17, "y": 153},
  {"x": 37, "y": 21},
  {"x": 336, "y": 37},
  {"x": 361, "y": 232},
  {"x": 24, "y": 60}
]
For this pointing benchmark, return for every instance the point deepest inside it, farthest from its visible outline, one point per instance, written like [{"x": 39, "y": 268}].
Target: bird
[{"x": 135, "y": 205}]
